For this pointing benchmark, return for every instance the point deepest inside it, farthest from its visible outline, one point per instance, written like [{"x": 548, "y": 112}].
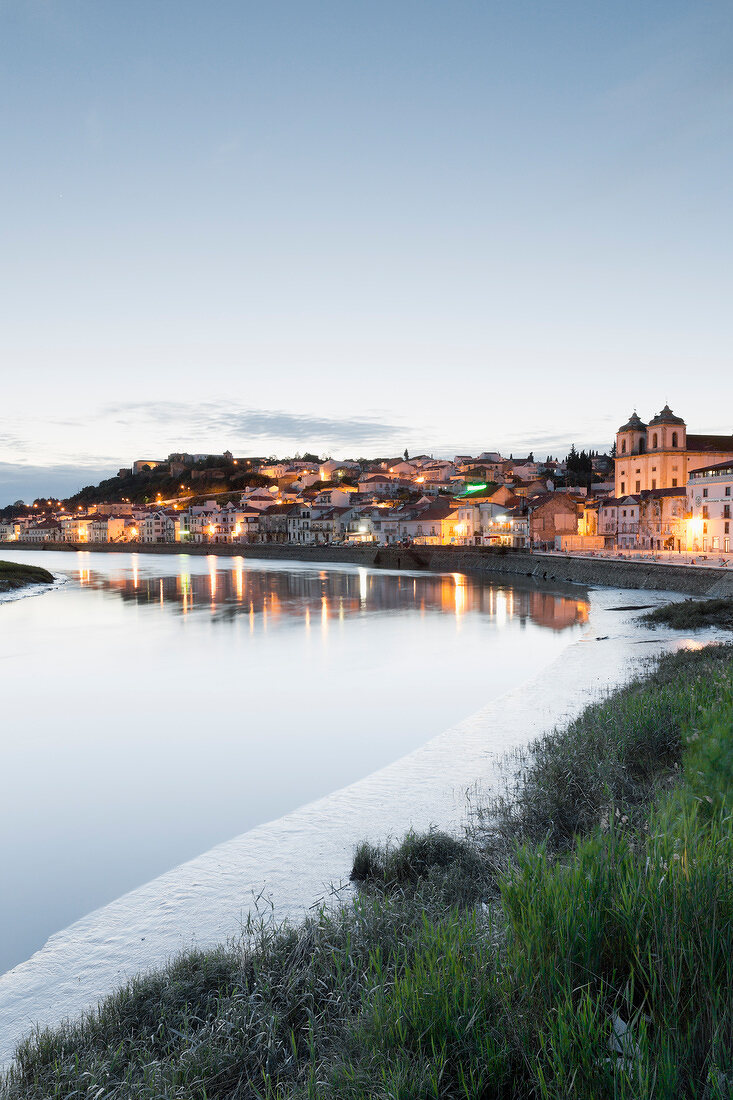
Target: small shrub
[
  {"x": 453, "y": 866},
  {"x": 693, "y": 614}
]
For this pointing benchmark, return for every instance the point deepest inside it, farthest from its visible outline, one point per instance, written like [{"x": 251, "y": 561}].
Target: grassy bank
[
  {"x": 694, "y": 614},
  {"x": 13, "y": 575},
  {"x": 577, "y": 942}
]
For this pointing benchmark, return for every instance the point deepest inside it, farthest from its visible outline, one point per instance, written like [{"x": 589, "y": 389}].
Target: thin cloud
[
  {"x": 225, "y": 421},
  {"x": 10, "y": 442}
]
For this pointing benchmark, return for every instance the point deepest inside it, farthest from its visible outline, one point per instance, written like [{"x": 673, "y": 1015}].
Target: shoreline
[
  {"x": 13, "y": 588},
  {"x": 700, "y": 580},
  {"x": 288, "y": 863}
]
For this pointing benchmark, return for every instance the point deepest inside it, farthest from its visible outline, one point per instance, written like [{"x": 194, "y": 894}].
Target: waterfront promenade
[{"x": 707, "y": 577}]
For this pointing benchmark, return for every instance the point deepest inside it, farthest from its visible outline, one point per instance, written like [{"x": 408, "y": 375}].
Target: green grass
[
  {"x": 591, "y": 960},
  {"x": 693, "y": 614},
  {"x": 14, "y": 575},
  {"x": 620, "y": 752}
]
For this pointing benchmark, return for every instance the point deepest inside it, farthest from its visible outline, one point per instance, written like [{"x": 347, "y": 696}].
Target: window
[
  {"x": 705, "y": 511},
  {"x": 727, "y": 490},
  {"x": 674, "y": 439},
  {"x": 623, "y": 489},
  {"x": 623, "y": 447},
  {"x": 704, "y": 492},
  {"x": 674, "y": 482},
  {"x": 654, "y": 440},
  {"x": 726, "y": 511},
  {"x": 654, "y": 483},
  {"x": 638, "y": 486}
]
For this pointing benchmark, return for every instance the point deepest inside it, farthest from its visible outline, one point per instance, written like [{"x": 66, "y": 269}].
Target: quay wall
[{"x": 697, "y": 580}]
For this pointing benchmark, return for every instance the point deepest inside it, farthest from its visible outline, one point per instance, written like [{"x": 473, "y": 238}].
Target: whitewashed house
[
  {"x": 331, "y": 498},
  {"x": 44, "y": 531},
  {"x": 376, "y": 485},
  {"x": 158, "y": 526},
  {"x": 709, "y": 503},
  {"x": 628, "y": 523},
  {"x": 299, "y": 524}
]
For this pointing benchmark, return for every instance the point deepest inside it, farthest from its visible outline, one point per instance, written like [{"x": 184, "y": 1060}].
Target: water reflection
[{"x": 271, "y": 597}]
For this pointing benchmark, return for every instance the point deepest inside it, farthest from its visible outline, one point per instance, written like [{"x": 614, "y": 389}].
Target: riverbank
[
  {"x": 14, "y": 576},
  {"x": 697, "y": 580},
  {"x": 596, "y": 960},
  {"x": 234, "y": 623},
  {"x": 289, "y": 862}
]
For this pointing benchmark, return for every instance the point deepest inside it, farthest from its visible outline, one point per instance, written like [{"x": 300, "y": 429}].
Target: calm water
[{"x": 157, "y": 705}]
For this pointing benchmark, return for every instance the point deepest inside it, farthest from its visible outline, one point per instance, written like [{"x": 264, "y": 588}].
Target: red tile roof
[{"x": 710, "y": 443}]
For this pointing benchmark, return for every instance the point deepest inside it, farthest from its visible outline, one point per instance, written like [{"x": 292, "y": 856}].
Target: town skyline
[{"x": 661, "y": 489}]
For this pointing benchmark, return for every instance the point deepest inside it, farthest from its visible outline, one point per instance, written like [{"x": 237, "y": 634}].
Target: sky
[{"x": 354, "y": 227}]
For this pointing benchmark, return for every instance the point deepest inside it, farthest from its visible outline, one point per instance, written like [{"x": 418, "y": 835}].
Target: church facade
[{"x": 661, "y": 454}]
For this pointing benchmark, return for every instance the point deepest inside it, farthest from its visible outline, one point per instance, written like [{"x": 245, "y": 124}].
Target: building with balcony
[{"x": 709, "y": 504}]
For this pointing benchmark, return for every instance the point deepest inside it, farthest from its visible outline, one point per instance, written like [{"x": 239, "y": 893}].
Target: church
[{"x": 661, "y": 454}]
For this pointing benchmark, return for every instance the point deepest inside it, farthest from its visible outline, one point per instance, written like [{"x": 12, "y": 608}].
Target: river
[{"x": 155, "y": 706}]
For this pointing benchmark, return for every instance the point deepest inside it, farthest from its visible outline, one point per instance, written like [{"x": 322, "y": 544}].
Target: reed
[{"x": 693, "y": 614}]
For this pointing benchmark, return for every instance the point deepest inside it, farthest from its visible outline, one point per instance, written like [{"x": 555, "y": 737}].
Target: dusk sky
[{"x": 354, "y": 227}]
